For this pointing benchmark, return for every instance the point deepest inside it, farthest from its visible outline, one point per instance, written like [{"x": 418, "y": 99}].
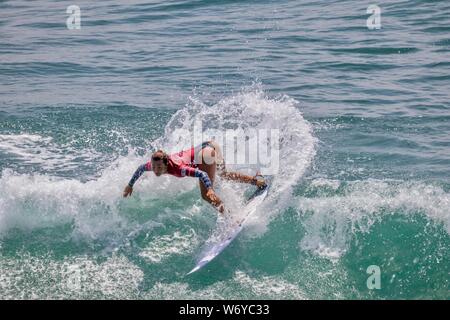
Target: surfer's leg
[
  {"x": 210, "y": 170},
  {"x": 230, "y": 175},
  {"x": 203, "y": 192},
  {"x": 218, "y": 156},
  {"x": 208, "y": 164},
  {"x": 243, "y": 178}
]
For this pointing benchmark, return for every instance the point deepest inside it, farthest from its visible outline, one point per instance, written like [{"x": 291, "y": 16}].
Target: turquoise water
[{"x": 364, "y": 126}]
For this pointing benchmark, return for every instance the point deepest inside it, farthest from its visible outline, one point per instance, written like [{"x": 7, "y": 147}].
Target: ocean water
[{"x": 364, "y": 123}]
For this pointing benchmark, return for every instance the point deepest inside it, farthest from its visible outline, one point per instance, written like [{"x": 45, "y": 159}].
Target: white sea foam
[
  {"x": 165, "y": 246},
  {"x": 81, "y": 277},
  {"x": 249, "y": 110},
  {"x": 331, "y": 221}
]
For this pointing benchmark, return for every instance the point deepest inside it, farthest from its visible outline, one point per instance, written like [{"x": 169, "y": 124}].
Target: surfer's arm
[
  {"x": 211, "y": 196},
  {"x": 139, "y": 171}
]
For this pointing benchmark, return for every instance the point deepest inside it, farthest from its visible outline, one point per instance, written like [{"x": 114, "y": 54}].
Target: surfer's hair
[{"x": 160, "y": 155}]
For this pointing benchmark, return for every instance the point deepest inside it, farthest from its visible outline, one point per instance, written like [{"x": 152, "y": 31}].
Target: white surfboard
[{"x": 215, "y": 248}]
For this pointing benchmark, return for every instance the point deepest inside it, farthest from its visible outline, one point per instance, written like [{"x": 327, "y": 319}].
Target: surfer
[{"x": 201, "y": 162}]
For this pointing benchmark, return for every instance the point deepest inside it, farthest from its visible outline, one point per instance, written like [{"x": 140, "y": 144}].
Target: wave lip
[{"x": 244, "y": 112}]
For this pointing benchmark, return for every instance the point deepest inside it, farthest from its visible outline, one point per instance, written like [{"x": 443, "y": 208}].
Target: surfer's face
[{"x": 158, "y": 167}]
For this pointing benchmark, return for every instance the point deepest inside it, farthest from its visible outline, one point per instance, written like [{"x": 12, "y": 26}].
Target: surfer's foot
[
  {"x": 259, "y": 181},
  {"x": 221, "y": 208}
]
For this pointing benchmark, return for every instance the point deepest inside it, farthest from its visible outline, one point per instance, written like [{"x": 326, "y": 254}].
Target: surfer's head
[{"x": 159, "y": 162}]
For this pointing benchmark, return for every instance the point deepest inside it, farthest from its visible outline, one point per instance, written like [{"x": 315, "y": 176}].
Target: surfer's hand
[
  {"x": 260, "y": 183},
  {"x": 128, "y": 191}
]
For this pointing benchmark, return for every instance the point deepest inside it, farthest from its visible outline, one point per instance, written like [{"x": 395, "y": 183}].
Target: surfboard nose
[{"x": 193, "y": 270}]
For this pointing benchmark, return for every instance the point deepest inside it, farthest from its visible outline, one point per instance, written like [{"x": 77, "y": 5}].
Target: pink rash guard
[{"x": 180, "y": 164}]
